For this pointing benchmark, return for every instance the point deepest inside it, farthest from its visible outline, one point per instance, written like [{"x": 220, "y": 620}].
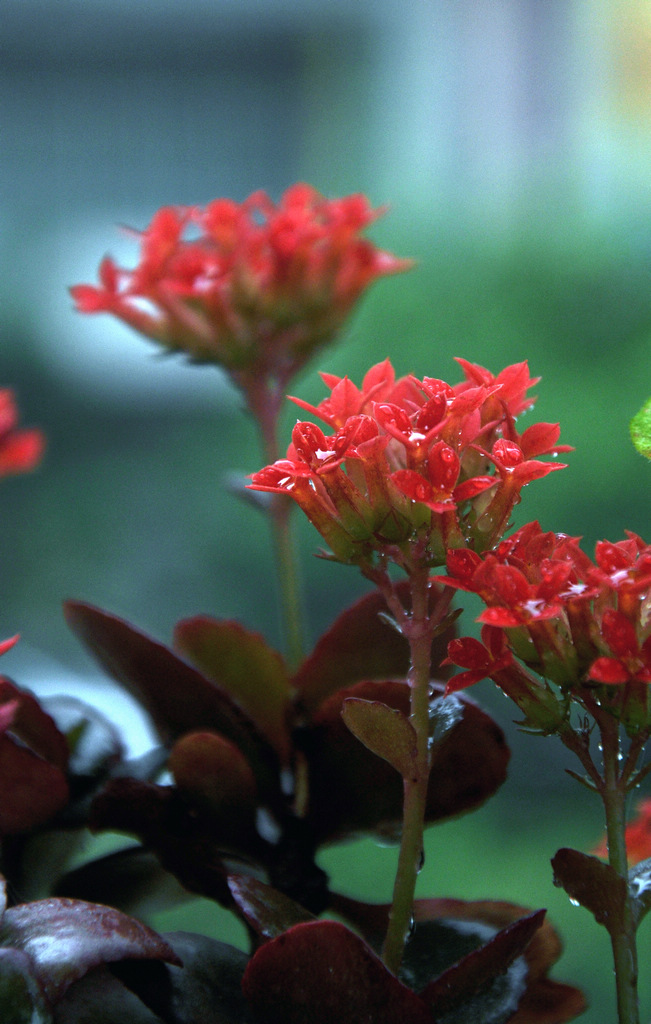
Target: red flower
[
  {"x": 255, "y": 287},
  {"x": 481, "y": 660},
  {"x": 403, "y": 468},
  {"x": 20, "y": 450},
  {"x": 631, "y": 661}
]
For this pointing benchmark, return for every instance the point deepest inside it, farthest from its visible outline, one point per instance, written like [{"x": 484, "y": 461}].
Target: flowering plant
[{"x": 262, "y": 757}]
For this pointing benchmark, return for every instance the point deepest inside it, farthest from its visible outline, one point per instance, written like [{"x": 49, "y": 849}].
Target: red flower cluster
[
  {"x": 255, "y": 287},
  {"x": 576, "y": 622},
  {"x": 414, "y": 465},
  {"x": 20, "y": 450}
]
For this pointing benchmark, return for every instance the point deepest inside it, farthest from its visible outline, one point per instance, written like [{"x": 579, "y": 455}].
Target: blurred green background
[{"x": 512, "y": 139}]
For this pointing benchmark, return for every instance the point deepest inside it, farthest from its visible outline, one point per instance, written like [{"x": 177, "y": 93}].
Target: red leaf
[
  {"x": 178, "y": 697},
  {"x": 66, "y": 938},
  {"x": 33, "y": 790},
  {"x": 319, "y": 973},
  {"x": 360, "y": 645}
]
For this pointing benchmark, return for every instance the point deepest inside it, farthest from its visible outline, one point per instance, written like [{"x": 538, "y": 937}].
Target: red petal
[{"x": 609, "y": 670}]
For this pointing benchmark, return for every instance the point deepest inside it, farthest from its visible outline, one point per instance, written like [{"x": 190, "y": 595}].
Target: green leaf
[
  {"x": 640, "y": 428},
  {"x": 384, "y": 730},
  {"x": 241, "y": 663},
  {"x": 592, "y": 883}
]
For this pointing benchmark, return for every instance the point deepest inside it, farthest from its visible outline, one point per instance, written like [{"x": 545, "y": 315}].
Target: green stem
[
  {"x": 264, "y": 401},
  {"x": 418, "y": 630},
  {"x": 622, "y": 931}
]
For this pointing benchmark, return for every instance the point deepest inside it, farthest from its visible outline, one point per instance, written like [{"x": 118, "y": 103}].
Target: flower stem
[
  {"x": 418, "y": 630},
  {"x": 622, "y": 933},
  {"x": 264, "y": 401}
]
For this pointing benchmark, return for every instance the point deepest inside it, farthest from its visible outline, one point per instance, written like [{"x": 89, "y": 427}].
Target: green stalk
[
  {"x": 622, "y": 933},
  {"x": 418, "y": 631},
  {"x": 265, "y": 401}
]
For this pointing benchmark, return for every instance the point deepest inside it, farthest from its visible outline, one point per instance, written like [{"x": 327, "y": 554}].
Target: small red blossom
[
  {"x": 20, "y": 450},
  {"x": 480, "y": 659},
  {"x": 256, "y": 287},
  {"x": 631, "y": 661}
]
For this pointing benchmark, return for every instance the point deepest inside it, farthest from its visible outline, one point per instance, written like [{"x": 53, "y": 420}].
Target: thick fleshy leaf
[
  {"x": 33, "y": 790},
  {"x": 352, "y": 791},
  {"x": 207, "y": 989},
  {"x": 321, "y": 972},
  {"x": 241, "y": 663},
  {"x": 489, "y": 981},
  {"x": 266, "y": 910},
  {"x": 384, "y": 730},
  {"x": 101, "y": 998},
  {"x": 214, "y": 772},
  {"x": 177, "y": 696},
  {"x": 185, "y": 838},
  {"x": 447, "y": 930},
  {"x": 361, "y": 645},
  {"x": 66, "y": 938},
  {"x": 592, "y": 883},
  {"x": 34, "y": 726},
  {"x": 21, "y": 998},
  {"x": 132, "y": 880}
]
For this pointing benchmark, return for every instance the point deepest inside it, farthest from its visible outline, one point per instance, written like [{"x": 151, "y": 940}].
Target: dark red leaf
[
  {"x": 34, "y": 726},
  {"x": 354, "y": 791},
  {"x": 360, "y": 645},
  {"x": 242, "y": 664},
  {"x": 177, "y": 696},
  {"x": 268, "y": 911},
  {"x": 206, "y": 990},
  {"x": 467, "y": 977},
  {"x": 593, "y": 884},
  {"x": 543, "y": 1001},
  {"x": 33, "y": 790},
  {"x": 66, "y": 938},
  {"x": 320, "y": 972}
]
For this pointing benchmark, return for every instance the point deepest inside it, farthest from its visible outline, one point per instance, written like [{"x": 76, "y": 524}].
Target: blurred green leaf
[{"x": 641, "y": 430}]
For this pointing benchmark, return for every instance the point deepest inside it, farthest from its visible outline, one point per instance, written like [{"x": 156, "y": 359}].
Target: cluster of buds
[
  {"x": 580, "y": 624},
  {"x": 412, "y": 468},
  {"x": 255, "y": 287}
]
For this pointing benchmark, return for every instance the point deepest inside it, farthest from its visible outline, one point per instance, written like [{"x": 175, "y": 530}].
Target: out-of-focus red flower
[
  {"x": 638, "y": 836},
  {"x": 405, "y": 465},
  {"x": 256, "y": 286},
  {"x": 20, "y": 450}
]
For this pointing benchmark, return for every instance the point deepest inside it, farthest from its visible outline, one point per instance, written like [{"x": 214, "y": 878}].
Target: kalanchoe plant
[{"x": 263, "y": 758}]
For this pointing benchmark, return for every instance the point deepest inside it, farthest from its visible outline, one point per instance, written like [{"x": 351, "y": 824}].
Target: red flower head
[
  {"x": 576, "y": 622},
  {"x": 20, "y": 450},
  {"x": 404, "y": 471},
  {"x": 256, "y": 287}
]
